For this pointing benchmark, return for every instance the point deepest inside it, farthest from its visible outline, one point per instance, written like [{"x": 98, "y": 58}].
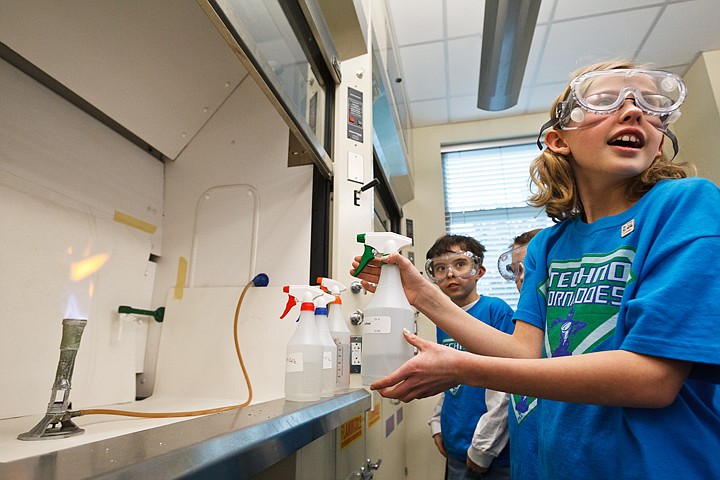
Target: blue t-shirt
[
  {"x": 644, "y": 281},
  {"x": 463, "y": 405},
  {"x": 523, "y": 427}
]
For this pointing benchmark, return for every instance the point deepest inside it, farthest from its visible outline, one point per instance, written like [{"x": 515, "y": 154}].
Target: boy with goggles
[
  {"x": 524, "y": 413},
  {"x": 510, "y": 265},
  {"x": 469, "y": 424},
  {"x": 457, "y": 264},
  {"x": 623, "y": 350}
]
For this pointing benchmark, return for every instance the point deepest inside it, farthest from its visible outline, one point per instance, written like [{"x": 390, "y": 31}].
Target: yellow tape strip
[
  {"x": 134, "y": 222},
  {"x": 181, "y": 276}
]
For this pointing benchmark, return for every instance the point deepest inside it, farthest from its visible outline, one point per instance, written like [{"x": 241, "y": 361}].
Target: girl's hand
[
  {"x": 370, "y": 275},
  {"x": 428, "y": 373},
  {"x": 412, "y": 280}
]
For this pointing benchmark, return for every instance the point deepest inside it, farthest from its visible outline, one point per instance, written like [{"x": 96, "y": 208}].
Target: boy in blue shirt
[
  {"x": 469, "y": 424},
  {"x": 523, "y": 410}
]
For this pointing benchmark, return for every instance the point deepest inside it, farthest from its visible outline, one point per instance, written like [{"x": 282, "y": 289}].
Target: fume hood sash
[{"x": 235, "y": 30}]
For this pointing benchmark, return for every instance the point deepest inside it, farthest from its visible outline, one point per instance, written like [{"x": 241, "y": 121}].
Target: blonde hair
[{"x": 554, "y": 180}]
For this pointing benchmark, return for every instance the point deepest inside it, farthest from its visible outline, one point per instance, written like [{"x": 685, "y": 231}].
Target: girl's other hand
[{"x": 428, "y": 373}]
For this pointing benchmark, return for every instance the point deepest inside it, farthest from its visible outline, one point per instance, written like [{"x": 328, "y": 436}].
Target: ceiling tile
[
  {"x": 573, "y": 9},
  {"x": 463, "y": 109},
  {"x": 431, "y": 112},
  {"x": 464, "y": 65},
  {"x": 541, "y": 98},
  {"x": 546, "y": 8},
  {"x": 684, "y": 29},
  {"x": 417, "y": 21},
  {"x": 576, "y": 43},
  {"x": 464, "y": 17},
  {"x": 423, "y": 69}
]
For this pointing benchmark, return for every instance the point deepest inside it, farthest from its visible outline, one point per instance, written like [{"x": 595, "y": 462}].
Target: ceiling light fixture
[{"x": 507, "y": 34}]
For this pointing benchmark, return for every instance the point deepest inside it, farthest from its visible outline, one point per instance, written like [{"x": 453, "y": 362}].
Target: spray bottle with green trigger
[
  {"x": 303, "y": 362},
  {"x": 329, "y": 348},
  {"x": 384, "y": 348},
  {"x": 339, "y": 332}
]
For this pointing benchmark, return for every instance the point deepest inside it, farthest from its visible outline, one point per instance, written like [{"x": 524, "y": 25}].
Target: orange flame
[{"x": 88, "y": 266}]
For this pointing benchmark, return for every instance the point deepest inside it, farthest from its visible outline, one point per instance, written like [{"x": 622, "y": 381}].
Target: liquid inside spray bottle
[
  {"x": 329, "y": 361},
  {"x": 303, "y": 360},
  {"x": 339, "y": 332},
  {"x": 384, "y": 347}
]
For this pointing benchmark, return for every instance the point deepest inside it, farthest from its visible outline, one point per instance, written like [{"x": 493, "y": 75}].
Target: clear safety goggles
[
  {"x": 602, "y": 92},
  {"x": 508, "y": 269},
  {"x": 461, "y": 264}
]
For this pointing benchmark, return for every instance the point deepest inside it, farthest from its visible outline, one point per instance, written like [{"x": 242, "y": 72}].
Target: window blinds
[{"x": 486, "y": 191}]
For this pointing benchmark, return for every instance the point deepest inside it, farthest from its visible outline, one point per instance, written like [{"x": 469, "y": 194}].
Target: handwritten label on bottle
[
  {"x": 294, "y": 362},
  {"x": 376, "y": 324}
]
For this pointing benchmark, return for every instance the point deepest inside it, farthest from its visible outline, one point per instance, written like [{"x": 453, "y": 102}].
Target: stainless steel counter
[{"x": 236, "y": 444}]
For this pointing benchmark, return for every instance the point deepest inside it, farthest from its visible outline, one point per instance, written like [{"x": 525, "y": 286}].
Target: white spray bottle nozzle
[
  {"x": 333, "y": 286},
  {"x": 381, "y": 242},
  {"x": 304, "y": 293},
  {"x": 323, "y": 300}
]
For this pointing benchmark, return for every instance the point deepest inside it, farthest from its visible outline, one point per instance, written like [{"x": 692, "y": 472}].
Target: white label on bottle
[
  {"x": 294, "y": 362},
  {"x": 376, "y": 324},
  {"x": 327, "y": 359}
]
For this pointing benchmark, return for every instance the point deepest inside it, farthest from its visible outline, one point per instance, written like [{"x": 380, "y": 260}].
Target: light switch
[{"x": 355, "y": 168}]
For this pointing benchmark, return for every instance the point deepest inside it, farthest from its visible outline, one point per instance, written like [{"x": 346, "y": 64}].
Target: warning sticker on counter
[{"x": 351, "y": 431}]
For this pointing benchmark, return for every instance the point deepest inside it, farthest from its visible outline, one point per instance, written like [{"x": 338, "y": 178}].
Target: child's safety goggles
[
  {"x": 508, "y": 269},
  {"x": 602, "y": 92},
  {"x": 461, "y": 264}
]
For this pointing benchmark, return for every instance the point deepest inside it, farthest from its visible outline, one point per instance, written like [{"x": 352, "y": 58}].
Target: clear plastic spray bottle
[
  {"x": 339, "y": 332},
  {"x": 384, "y": 348},
  {"x": 329, "y": 348},
  {"x": 303, "y": 361}
]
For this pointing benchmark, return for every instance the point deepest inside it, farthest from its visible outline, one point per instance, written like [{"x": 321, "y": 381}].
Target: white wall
[
  {"x": 62, "y": 178},
  {"x": 698, "y": 129},
  {"x": 246, "y": 142}
]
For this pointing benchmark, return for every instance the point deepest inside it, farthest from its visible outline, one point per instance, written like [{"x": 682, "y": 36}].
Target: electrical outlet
[{"x": 355, "y": 353}]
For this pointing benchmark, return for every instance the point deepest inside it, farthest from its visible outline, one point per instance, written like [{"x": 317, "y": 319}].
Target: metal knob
[
  {"x": 356, "y": 318},
  {"x": 366, "y": 471},
  {"x": 356, "y": 287}
]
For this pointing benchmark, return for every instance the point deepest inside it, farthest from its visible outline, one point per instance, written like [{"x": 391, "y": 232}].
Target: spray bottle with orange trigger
[
  {"x": 303, "y": 361},
  {"x": 384, "y": 348},
  {"x": 339, "y": 332},
  {"x": 329, "y": 348}
]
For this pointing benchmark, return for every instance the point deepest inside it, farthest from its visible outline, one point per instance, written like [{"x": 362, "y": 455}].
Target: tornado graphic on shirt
[{"x": 583, "y": 299}]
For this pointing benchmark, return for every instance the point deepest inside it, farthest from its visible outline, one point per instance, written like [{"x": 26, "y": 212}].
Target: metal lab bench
[{"x": 237, "y": 444}]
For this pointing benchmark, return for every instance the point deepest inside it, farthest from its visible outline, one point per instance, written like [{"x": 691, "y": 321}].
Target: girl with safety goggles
[
  {"x": 657, "y": 93},
  {"x": 620, "y": 345}
]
